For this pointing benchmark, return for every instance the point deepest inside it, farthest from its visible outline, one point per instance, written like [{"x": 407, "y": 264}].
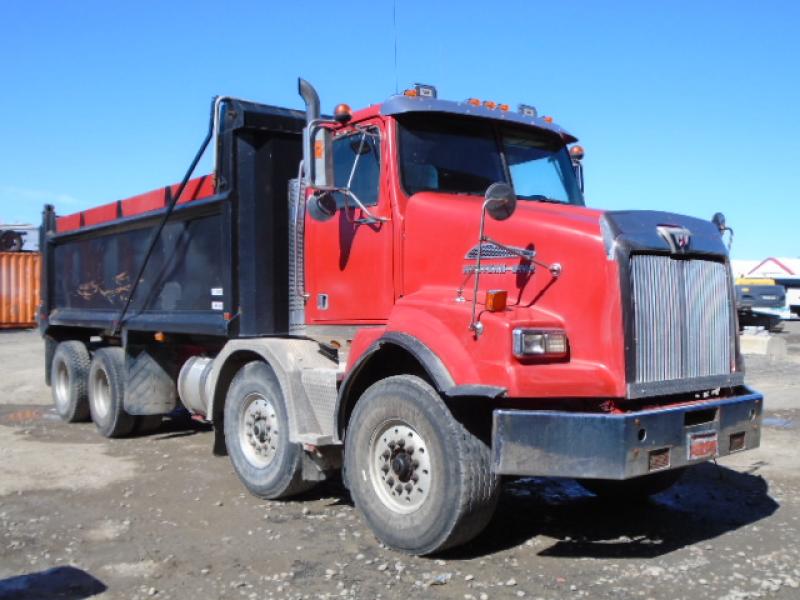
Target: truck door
[{"x": 349, "y": 258}]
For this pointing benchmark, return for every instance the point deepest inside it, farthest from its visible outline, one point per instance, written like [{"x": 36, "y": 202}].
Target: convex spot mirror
[
  {"x": 501, "y": 201},
  {"x": 322, "y": 206}
]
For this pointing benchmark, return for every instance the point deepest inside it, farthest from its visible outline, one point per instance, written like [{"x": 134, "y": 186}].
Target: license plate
[{"x": 703, "y": 445}]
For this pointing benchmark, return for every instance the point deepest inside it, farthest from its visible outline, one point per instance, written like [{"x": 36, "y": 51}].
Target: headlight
[{"x": 538, "y": 342}]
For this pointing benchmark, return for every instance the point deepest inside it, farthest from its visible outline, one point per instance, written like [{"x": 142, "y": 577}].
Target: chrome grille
[{"x": 681, "y": 318}]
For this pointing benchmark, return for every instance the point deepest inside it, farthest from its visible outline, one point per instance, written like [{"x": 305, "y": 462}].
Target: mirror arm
[
  {"x": 554, "y": 268},
  {"x": 370, "y": 217},
  {"x": 521, "y": 252},
  {"x": 475, "y": 326}
]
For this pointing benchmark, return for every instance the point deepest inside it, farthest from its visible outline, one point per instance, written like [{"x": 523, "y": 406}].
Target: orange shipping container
[{"x": 19, "y": 288}]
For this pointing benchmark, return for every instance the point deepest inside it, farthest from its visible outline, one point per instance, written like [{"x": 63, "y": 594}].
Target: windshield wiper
[{"x": 540, "y": 198}]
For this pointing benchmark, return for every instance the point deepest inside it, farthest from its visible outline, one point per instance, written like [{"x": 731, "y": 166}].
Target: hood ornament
[{"x": 676, "y": 236}]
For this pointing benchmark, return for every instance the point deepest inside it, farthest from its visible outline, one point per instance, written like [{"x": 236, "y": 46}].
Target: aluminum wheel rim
[
  {"x": 101, "y": 394},
  {"x": 62, "y": 386},
  {"x": 400, "y": 466},
  {"x": 258, "y": 431}
]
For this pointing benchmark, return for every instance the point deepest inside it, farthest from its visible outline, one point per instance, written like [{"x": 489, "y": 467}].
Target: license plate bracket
[{"x": 703, "y": 445}]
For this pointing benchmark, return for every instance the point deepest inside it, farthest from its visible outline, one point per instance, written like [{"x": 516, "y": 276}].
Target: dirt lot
[{"x": 159, "y": 516}]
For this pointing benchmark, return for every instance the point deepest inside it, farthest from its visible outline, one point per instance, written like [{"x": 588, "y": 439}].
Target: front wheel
[
  {"x": 422, "y": 481},
  {"x": 257, "y": 435}
]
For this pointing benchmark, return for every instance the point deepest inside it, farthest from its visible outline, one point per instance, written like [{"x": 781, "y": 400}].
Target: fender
[
  {"x": 288, "y": 358},
  {"x": 434, "y": 367}
]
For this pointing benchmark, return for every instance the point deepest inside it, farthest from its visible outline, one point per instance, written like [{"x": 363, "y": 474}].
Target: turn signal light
[
  {"x": 496, "y": 300},
  {"x": 576, "y": 152},
  {"x": 537, "y": 342}
]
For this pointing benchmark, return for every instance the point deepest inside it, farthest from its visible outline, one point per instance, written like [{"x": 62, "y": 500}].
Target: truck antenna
[{"x": 394, "y": 28}]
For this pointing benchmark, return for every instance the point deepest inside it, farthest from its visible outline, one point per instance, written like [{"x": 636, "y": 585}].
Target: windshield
[{"x": 464, "y": 156}]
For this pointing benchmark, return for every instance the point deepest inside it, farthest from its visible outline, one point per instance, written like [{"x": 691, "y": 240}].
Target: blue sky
[{"x": 688, "y": 106}]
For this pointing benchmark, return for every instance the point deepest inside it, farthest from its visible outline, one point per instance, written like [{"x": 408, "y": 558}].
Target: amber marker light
[
  {"x": 496, "y": 300},
  {"x": 576, "y": 152},
  {"x": 342, "y": 113},
  {"x": 503, "y": 107},
  {"x": 410, "y": 92},
  {"x": 474, "y": 101},
  {"x": 490, "y": 104},
  {"x": 159, "y": 336},
  {"x": 548, "y": 119}
]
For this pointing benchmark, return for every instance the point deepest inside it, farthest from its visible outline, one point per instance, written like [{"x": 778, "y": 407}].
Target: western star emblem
[{"x": 676, "y": 236}]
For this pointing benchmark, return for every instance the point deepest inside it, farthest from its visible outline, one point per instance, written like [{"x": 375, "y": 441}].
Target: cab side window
[{"x": 362, "y": 149}]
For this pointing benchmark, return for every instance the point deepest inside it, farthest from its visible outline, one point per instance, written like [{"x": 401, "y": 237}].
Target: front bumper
[{"x": 622, "y": 446}]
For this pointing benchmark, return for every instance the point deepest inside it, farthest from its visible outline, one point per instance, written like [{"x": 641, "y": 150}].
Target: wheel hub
[
  {"x": 400, "y": 466},
  {"x": 258, "y": 431}
]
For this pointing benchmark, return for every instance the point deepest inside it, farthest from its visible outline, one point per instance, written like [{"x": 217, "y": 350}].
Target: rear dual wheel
[
  {"x": 69, "y": 374},
  {"x": 422, "y": 481},
  {"x": 84, "y": 386},
  {"x": 106, "y": 393}
]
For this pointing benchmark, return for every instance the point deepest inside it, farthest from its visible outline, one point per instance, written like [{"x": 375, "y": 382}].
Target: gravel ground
[{"x": 159, "y": 516}]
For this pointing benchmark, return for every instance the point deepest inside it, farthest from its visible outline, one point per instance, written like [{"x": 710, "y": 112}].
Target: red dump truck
[{"x": 413, "y": 295}]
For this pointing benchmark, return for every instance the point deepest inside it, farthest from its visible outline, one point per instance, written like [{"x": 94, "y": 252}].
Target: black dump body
[{"x": 220, "y": 267}]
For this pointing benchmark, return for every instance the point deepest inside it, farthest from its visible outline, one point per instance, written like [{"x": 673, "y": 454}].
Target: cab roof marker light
[
  {"x": 473, "y": 101},
  {"x": 528, "y": 110},
  {"x": 425, "y": 91}
]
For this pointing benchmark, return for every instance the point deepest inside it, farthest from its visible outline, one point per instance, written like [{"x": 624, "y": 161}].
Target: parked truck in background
[
  {"x": 414, "y": 295},
  {"x": 761, "y": 302}
]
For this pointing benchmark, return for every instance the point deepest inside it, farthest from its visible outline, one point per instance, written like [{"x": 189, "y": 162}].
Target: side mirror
[
  {"x": 501, "y": 201},
  {"x": 576, "y": 154},
  {"x": 322, "y": 163},
  {"x": 317, "y": 140},
  {"x": 322, "y": 206},
  {"x": 719, "y": 220}
]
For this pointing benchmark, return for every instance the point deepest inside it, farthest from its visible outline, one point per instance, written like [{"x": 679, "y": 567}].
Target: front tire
[
  {"x": 422, "y": 481},
  {"x": 69, "y": 376},
  {"x": 106, "y": 393},
  {"x": 257, "y": 435}
]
